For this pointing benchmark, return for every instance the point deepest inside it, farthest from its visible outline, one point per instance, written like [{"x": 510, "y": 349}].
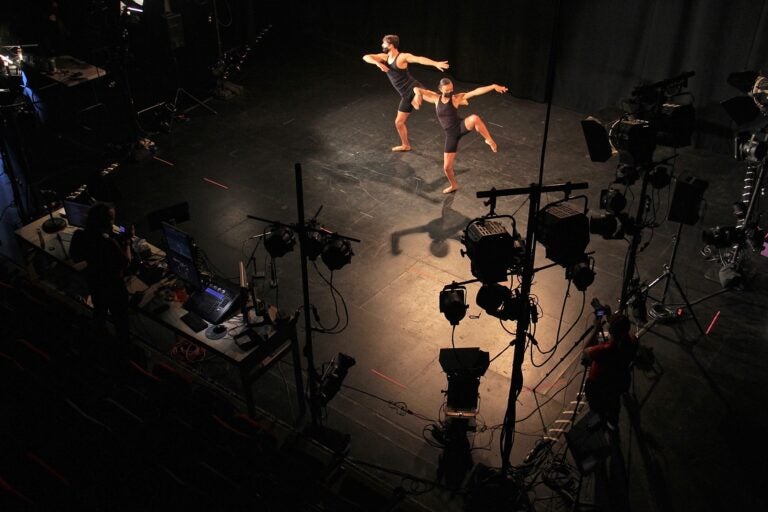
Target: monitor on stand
[
  {"x": 76, "y": 212},
  {"x": 177, "y": 241}
]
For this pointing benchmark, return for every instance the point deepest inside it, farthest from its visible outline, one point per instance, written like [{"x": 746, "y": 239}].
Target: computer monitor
[
  {"x": 77, "y": 213},
  {"x": 184, "y": 268},
  {"x": 178, "y": 241}
]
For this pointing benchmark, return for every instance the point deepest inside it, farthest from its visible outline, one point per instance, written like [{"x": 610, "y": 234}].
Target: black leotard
[
  {"x": 403, "y": 83},
  {"x": 454, "y": 126}
]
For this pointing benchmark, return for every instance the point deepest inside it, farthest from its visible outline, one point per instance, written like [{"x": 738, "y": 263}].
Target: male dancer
[
  {"x": 447, "y": 105},
  {"x": 395, "y": 65}
]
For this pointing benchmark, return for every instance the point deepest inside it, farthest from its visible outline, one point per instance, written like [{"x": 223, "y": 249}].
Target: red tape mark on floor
[
  {"x": 714, "y": 319},
  {"x": 216, "y": 183},
  {"x": 388, "y": 379},
  {"x": 166, "y": 162}
]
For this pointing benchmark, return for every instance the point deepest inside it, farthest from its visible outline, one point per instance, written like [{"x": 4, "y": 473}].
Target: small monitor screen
[
  {"x": 178, "y": 241},
  {"x": 77, "y": 213},
  {"x": 184, "y": 268},
  {"x": 211, "y": 291}
]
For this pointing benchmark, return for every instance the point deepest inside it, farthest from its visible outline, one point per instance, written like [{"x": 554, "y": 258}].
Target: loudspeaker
[{"x": 686, "y": 200}]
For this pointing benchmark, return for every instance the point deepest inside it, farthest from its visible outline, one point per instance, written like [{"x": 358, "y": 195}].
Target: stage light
[
  {"x": 334, "y": 376},
  {"x": 279, "y": 241},
  {"x": 722, "y": 236},
  {"x": 563, "y": 231},
  {"x": 491, "y": 296},
  {"x": 656, "y": 114},
  {"x": 760, "y": 93},
  {"x": 315, "y": 243},
  {"x": 464, "y": 367},
  {"x": 453, "y": 303},
  {"x": 749, "y": 147},
  {"x": 613, "y": 200},
  {"x": 610, "y": 226},
  {"x": 582, "y": 274},
  {"x": 634, "y": 140},
  {"x": 132, "y": 6},
  {"x": 492, "y": 250},
  {"x": 337, "y": 252},
  {"x": 674, "y": 124},
  {"x": 627, "y": 174},
  {"x": 659, "y": 177},
  {"x": 596, "y": 137},
  {"x": 501, "y": 302}
]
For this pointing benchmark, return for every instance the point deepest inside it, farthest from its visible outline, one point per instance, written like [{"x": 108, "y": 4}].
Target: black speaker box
[{"x": 686, "y": 200}]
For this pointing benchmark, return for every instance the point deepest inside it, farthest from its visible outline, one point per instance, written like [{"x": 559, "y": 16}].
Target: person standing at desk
[{"x": 108, "y": 257}]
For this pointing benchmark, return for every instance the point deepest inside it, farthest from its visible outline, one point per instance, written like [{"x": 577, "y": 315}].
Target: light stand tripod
[
  {"x": 173, "y": 107},
  {"x": 322, "y": 434},
  {"x": 534, "y": 192},
  {"x": 661, "y": 308}
]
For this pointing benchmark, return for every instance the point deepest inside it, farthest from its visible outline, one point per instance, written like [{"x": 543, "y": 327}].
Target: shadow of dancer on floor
[{"x": 449, "y": 225}]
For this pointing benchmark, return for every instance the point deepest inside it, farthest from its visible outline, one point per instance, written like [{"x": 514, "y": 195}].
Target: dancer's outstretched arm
[
  {"x": 425, "y": 61},
  {"x": 479, "y": 92}
]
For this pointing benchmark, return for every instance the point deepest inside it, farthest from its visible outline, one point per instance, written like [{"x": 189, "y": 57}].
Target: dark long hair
[{"x": 100, "y": 217}]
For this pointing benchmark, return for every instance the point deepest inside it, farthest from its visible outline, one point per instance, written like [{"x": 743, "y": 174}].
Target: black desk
[{"x": 251, "y": 364}]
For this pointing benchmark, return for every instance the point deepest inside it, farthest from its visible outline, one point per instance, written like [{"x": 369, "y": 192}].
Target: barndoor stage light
[
  {"x": 492, "y": 250},
  {"x": 564, "y": 233},
  {"x": 453, "y": 303}
]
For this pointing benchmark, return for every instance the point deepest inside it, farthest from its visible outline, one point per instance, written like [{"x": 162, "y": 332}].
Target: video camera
[{"x": 660, "y": 113}]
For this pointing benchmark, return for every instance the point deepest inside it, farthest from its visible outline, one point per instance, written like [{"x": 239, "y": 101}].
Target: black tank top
[
  {"x": 401, "y": 79},
  {"x": 447, "y": 114}
]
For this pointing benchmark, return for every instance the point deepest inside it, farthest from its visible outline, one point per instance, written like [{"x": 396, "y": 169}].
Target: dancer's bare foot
[
  {"x": 451, "y": 189},
  {"x": 493, "y": 145},
  {"x": 401, "y": 148}
]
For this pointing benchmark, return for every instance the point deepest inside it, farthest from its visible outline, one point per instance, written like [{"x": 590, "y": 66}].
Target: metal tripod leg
[{"x": 685, "y": 299}]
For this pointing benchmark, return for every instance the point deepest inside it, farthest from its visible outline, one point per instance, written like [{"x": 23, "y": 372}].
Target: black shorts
[
  {"x": 405, "y": 101},
  {"x": 452, "y": 136}
]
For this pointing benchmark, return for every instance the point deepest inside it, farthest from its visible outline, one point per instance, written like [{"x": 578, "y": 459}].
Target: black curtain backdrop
[{"x": 606, "y": 47}]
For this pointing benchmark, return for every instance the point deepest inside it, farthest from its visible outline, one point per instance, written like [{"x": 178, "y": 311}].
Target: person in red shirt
[{"x": 609, "y": 363}]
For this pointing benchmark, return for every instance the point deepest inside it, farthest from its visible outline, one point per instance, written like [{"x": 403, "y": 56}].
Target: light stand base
[
  {"x": 662, "y": 313},
  {"x": 54, "y": 225}
]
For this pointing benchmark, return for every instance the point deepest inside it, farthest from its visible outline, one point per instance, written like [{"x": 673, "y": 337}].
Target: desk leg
[
  {"x": 297, "y": 375},
  {"x": 247, "y": 392}
]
